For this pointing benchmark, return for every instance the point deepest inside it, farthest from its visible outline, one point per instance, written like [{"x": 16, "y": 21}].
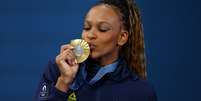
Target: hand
[{"x": 68, "y": 67}]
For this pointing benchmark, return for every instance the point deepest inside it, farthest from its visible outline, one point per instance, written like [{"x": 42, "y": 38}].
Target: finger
[
  {"x": 66, "y": 46},
  {"x": 60, "y": 58},
  {"x": 64, "y": 66},
  {"x": 76, "y": 66},
  {"x": 64, "y": 62},
  {"x": 70, "y": 55}
]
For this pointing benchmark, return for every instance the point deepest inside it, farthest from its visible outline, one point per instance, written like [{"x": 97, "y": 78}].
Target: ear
[{"x": 123, "y": 38}]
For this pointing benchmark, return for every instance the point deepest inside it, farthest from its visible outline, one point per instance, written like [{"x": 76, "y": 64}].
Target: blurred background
[{"x": 31, "y": 32}]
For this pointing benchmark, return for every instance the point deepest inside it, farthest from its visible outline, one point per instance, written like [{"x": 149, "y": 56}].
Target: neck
[{"x": 108, "y": 59}]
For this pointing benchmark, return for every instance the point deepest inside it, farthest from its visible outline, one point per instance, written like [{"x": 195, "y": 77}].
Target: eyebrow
[{"x": 99, "y": 23}]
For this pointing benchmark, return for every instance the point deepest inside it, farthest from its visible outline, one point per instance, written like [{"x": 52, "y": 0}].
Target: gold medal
[{"x": 81, "y": 49}]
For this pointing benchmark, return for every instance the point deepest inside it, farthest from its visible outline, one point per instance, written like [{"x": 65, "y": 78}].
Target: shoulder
[
  {"x": 132, "y": 89},
  {"x": 142, "y": 85},
  {"x": 141, "y": 89},
  {"x": 51, "y": 72}
]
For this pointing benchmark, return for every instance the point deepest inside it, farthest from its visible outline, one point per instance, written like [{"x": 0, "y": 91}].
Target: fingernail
[
  {"x": 70, "y": 62},
  {"x": 75, "y": 61},
  {"x": 71, "y": 47}
]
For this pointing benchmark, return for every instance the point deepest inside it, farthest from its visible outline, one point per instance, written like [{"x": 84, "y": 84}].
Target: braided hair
[{"x": 133, "y": 50}]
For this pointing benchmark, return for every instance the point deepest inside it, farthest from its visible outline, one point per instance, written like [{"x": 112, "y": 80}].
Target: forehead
[{"x": 103, "y": 13}]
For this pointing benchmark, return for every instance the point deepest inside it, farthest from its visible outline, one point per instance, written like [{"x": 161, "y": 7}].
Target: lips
[{"x": 92, "y": 46}]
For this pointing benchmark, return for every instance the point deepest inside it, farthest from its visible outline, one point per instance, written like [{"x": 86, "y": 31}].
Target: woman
[{"x": 115, "y": 69}]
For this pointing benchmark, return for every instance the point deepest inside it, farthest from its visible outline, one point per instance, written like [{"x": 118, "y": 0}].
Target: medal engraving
[{"x": 81, "y": 49}]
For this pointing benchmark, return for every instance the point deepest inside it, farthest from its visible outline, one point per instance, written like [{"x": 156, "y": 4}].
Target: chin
[{"x": 94, "y": 56}]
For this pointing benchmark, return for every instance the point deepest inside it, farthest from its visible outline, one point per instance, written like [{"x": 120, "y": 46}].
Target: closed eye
[{"x": 103, "y": 30}]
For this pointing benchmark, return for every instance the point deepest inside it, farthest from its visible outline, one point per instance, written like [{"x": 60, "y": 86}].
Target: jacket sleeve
[
  {"x": 153, "y": 96},
  {"x": 46, "y": 90}
]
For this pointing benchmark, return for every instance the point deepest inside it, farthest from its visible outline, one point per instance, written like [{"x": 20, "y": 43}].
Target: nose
[{"x": 91, "y": 35}]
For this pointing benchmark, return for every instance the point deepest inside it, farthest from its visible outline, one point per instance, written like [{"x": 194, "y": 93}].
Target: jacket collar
[{"x": 122, "y": 72}]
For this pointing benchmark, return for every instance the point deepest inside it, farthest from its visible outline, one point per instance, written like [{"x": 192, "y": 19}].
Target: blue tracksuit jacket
[{"x": 120, "y": 85}]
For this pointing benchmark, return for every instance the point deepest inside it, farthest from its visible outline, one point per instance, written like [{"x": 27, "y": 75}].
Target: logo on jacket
[
  {"x": 72, "y": 97},
  {"x": 44, "y": 92}
]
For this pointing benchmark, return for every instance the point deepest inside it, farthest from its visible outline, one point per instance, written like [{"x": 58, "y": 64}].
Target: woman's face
[{"x": 101, "y": 30}]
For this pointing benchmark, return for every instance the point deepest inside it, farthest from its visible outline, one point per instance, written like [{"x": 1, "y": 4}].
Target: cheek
[
  {"x": 106, "y": 43},
  {"x": 83, "y": 35},
  {"x": 109, "y": 42}
]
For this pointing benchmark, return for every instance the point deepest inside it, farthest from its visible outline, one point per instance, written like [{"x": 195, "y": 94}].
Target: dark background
[{"x": 31, "y": 32}]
